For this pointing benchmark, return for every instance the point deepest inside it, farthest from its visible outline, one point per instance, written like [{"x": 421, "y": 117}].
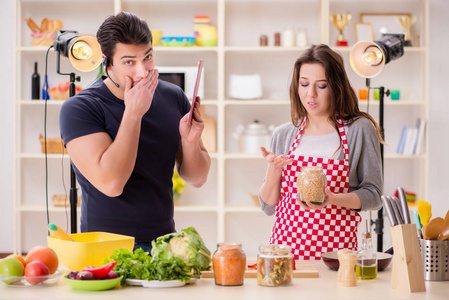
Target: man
[{"x": 126, "y": 133}]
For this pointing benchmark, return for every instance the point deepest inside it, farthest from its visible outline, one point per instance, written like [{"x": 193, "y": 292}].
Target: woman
[{"x": 327, "y": 130}]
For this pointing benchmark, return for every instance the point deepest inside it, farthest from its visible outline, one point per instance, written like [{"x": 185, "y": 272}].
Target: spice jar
[
  {"x": 311, "y": 185},
  {"x": 277, "y": 38},
  {"x": 229, "y": 263},
  {"x": 274, "y": 265},
  {"x": 263, "y": 40}
]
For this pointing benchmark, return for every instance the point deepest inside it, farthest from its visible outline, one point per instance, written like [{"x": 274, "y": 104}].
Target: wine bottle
[{"x": 35, "y": 84}]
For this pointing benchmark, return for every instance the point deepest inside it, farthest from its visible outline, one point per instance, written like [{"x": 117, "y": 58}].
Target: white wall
[
  {"x": 439, "y": 120},
  {"x": 439, "y": 108},
  {"x": 6, "y": 125}
]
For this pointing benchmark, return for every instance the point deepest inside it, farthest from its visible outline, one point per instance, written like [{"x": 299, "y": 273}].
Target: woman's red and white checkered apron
[{"x": 312, "y": 232}]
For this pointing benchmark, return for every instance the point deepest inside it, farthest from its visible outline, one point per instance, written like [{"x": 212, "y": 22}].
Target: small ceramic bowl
[
  {"x": 330, "y": 259},
  {"x": 93, "y": 285}
]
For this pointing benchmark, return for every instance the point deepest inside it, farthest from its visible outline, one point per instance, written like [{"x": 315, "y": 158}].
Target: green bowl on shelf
[{"x": 177, "y": 41}]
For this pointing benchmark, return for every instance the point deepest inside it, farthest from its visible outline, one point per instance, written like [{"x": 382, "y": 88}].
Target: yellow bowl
[
  {"x": 89, "y": 248},
  {"x": 157, "y": 35}
]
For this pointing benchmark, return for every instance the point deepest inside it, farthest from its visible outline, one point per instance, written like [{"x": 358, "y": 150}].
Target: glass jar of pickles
[
  {"x": 229, "y": 264},
  {"x": 311, "y": 185},
  {"x": 274, "y": 265}
]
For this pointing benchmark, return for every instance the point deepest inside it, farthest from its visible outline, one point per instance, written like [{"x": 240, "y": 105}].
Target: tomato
[
  {"x": 11, "y": 266},
  {"x": 34, "y": 269},
  {"x": 46, "y": 255},
  {"x": 22, "y": 260}
]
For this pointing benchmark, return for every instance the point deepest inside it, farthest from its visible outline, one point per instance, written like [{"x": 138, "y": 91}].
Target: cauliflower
[
  {"x": 187, "y": 247},
  {"x": 178, "y": 246}
]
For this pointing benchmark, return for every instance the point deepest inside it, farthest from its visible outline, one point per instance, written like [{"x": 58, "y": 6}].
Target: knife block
[{"x": 407, "y": 274}]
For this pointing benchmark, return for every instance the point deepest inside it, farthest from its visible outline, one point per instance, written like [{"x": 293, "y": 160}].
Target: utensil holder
[
  {"x": 407, "y": 274},
  {"x": 435, "y": 257}
]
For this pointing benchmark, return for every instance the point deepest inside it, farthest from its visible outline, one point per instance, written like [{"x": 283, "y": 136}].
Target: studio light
[
  {"x": 368, "y": 60},
  {"x": 84, "y": 53}
]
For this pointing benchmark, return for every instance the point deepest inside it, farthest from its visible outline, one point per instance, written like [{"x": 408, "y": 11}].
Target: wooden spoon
[
  {"x": 444, "y": 235},
  {"x": 433, "y": 229}
]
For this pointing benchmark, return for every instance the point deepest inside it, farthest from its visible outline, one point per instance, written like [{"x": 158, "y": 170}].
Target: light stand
[
  {"x": 368, "y": 60},
  {"x": 73, "y": 190},
  {"x": 84, "y": 54},
  {"x": 379, "y": 222}
]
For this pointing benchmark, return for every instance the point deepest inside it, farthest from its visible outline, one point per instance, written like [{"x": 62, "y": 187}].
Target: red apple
[
  {"x": 64, "y": 86},
  {"x": 35, "y": 269}
]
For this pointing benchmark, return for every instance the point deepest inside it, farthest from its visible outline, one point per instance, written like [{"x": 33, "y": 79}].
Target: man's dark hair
[{"x": 125, "y": 28}]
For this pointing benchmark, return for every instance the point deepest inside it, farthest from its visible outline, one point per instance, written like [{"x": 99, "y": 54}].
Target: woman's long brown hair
[{"x": 344, "y": 102}]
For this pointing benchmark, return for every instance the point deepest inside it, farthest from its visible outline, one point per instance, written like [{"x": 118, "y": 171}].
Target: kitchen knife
[
  {"x": 404, "y": 205},
  {"x": 418, "y": 223},
  {"x": 389, "y": 210},
  {"x": 397, "y": 209}
]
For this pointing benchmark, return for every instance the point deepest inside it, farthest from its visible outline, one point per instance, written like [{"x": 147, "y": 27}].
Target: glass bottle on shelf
[
  {"x": 35, "y": 84},
  {"x": 366, "y": 266}
]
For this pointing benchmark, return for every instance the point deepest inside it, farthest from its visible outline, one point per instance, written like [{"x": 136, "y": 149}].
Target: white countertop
[{"x": 324, "y": 287}]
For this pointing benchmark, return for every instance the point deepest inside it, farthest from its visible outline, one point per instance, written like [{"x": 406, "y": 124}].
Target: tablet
[{"x": 195, "y": 90}]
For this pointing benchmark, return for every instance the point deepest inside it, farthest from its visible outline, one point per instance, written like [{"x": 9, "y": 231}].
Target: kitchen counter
[{"x": 323, "y": 287}]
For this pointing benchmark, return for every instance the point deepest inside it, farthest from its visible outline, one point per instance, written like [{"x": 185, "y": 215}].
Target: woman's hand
[
  {"x": 275, "y": 163},
  {"x": 329, "y": 198},
  {"x": 270, "y": 192}
]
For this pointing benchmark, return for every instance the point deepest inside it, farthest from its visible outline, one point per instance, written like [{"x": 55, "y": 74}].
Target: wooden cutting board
[{"x": 304, "y": 269}]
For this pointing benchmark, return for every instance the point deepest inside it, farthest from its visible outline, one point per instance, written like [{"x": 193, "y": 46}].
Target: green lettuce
[{"x": 174, "y": 256}]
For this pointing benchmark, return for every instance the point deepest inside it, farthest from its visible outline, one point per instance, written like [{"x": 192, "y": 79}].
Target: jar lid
[
  {"x": 229, "y": 246},
  {"x": 275, "y": 250}
]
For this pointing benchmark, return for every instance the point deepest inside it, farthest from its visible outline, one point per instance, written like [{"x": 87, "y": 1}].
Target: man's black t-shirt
[{"x": 145, "y": 208}]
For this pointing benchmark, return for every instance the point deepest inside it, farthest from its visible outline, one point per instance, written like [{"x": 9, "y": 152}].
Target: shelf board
[
  {"x": 405, "y": 102},
  {"x": 229, "y": 49},
  {"x": 406, "y": 49},
  {"x": 196, "y": 208},
  {"x": 32, "y": 49},
  {"x": 42, "y": 156},
  {"x": 242, "y": 209},
  {"x": 404, "y": 156},
  {"x": 243, "y": 156},
  {"x": 263, "y": 49},
  {"x": 258, "y": 102},
  {"x": 40, "y": 102},
  {"x": 42, "y": 208},
  {"x": 51, "y": 208},
  {"x": 60, "y": 102},
  {"x": 259, "y": 156},
  {"x": 159, "y": 49}
]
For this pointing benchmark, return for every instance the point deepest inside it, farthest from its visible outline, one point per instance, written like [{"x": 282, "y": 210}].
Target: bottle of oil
[{"x": 366, "y": 266}]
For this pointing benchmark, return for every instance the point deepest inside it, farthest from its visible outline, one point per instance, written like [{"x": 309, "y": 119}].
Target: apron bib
[{"x": 312, "y": 232}]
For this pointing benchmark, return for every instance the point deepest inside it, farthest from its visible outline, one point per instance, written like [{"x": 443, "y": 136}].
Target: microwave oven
[{"x": 184, "y": 77}]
